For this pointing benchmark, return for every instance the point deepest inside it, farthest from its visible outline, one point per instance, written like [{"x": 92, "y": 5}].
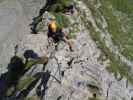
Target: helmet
[{"x": 51, "y": 17}]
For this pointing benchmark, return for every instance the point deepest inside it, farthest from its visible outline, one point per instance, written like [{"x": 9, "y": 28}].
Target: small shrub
[{"x": 59, "y": 5}]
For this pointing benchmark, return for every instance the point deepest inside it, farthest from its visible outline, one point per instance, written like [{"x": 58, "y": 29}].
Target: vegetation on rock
[{"x": 117, "y": 67}]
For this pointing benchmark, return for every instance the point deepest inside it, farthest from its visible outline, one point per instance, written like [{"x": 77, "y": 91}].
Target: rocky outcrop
[
  {"x": 77, "y": 75},
  {"x": 15, "y": 17}
]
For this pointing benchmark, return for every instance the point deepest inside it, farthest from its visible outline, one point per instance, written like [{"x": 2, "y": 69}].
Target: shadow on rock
[
  {"x": 31, "y": 54},
  {"x": 41, "y": 88},
  {"x": 16, "y": 70},
  {"x": 10, "y": 78},
  {"x": 44, "y": 77},
  {"x": 23, "y": 94}
]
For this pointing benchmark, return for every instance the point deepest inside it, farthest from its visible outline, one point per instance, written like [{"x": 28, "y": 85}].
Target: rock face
[
  {"x": 68, "y": 75},
  {"x": 15, "y": 17}
]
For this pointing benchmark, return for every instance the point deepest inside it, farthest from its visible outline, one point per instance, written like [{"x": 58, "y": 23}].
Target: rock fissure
[{"x": 60, "y": 74}]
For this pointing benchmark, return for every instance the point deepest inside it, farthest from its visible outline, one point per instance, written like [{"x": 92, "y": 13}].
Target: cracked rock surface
[
  {"x": 15, "y": 17},
  {"x": 76, "y": 75}
]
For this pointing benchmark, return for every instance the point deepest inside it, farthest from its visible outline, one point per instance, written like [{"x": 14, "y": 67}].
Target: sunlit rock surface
[
  {"x": 77, "y": 75},
  {"x": 15, "y": 18}
]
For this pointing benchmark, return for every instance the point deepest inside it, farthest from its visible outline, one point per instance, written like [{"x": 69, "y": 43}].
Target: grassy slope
[
  {"x": 116, "y": 66},
  {"x": 116, "y": 23},
  {"x": 120, "y": 38}
]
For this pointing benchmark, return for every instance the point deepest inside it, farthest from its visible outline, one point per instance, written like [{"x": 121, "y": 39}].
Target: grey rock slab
[
  {"x": 15, "y": 17},
  {"x": 13, "y": 26}
]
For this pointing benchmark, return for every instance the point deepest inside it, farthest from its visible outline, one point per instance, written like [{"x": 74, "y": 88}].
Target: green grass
[
  {"x": 123, "y": 39},
  {"x": 125, "y": 6},
  {"x": 119, "y": 69},
  {"x": 24, "y": 82},
  {"x": 116, "y": 66},
  {"x": 16, "y": 75}
]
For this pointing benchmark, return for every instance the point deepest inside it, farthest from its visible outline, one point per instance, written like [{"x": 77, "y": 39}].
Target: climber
[{"x": 57, "y": 33}]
